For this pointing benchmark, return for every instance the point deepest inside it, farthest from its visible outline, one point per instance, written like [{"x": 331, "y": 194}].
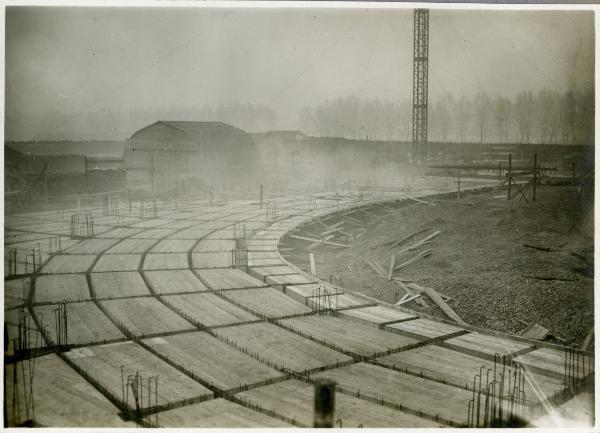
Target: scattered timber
[
  {"x": 421, "y": 201},
  {"x": 392, "y": 264},
  {"x": 589, "y": 338},
  {"x": 414, "y": 259},
  {"x": 435, "y": 297},
  {"x": 406, "y": 238},
  {"x": 335, "y": 244}
]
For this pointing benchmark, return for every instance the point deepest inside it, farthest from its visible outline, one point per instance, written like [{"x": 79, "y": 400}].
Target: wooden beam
[
  {"x": 588, "y": 339},
  {"x": 421, "y": 201},
  {"x": 392, "y": 264},
  {"x": 435, "y": 297},
  {"x": 414, "y": 259},
  {"x": 313, "y": 266},
  {"x": 305, "y": 238}
]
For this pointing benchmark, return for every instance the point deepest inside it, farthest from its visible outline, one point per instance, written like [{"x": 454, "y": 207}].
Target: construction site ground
[
  {"x": 480, "y": 260},
  {"x": 191, "y": 317}
]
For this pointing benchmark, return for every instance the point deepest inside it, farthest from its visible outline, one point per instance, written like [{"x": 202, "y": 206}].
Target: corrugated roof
[{"x": 197, "y": 131}]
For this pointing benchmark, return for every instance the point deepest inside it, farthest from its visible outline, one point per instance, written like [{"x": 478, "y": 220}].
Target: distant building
[{"x": 171, "y": 155}]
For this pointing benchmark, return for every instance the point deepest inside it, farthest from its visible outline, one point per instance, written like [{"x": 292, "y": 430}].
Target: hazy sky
[{"x": 69, "y": 70}]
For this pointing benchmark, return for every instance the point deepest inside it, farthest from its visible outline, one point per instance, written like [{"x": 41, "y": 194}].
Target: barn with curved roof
[{"x": 170, "y": 155}]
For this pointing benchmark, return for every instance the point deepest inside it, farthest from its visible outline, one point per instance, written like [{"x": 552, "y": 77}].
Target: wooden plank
[
  {"x": 588, "y": 339},
  {"x": 313, "y": 265},
  {"x": 392, "y": 264},
  {"x": 376, "y": 267},
  {"x": 435, "y": 297},
  {"x": 414, "y": 259},
  {"x": 335, "y": 244},
  {"x": 406, "y": 238},
  {"x": 421, "y": 201}
]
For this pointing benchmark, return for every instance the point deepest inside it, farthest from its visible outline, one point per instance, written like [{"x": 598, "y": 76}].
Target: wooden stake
[{"x": 392, "y": 264}]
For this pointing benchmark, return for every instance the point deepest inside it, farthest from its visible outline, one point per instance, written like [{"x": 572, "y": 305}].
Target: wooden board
[
  {"x": 267, "y": 301},
  {"x": 62, "y": 398},
  {"x": 281, "y": 347},
  {"x": 221, "y": 279},
  {"x": 412, "y": 392},
  {"x": 295, "y": 400},
  {"x": 173, "y": 246},
  {"x": 117, "y": 262},
  {"x": 104, "y": 364},
  {"x": 212, "y": 360},
  {"x": 179, "y": 281},
  {"x": 145, "y": 316},
  {"x": 86, "y": 323},
  {"x": 109, "y": 285},
  {"x": 165, "y": 261},
  {"x": 211, "y": 260},
  {"x": 208, "y": 309},
  {"x": 68, "y": 264},
  {"x": 56, "y": 288},
  {"x": 348, "y": 335},
  {"x": 132, "y": 246},
  {"x": 487, "y": 345},
  {"x": 423, "y": 329},
  {"x": 375, "y": 315},
  {"x": 217, "y": 413}
]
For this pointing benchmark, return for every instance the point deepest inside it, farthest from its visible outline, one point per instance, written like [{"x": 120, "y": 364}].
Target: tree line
[{"x": 547, "y": 117}]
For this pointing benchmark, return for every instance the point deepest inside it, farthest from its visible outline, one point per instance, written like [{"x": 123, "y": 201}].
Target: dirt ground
[{"x": 479, "y": 260}]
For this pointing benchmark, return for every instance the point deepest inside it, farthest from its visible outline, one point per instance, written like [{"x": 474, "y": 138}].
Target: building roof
[{"x": 192, "y": 130}]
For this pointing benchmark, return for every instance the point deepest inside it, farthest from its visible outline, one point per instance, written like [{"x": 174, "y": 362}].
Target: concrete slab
[
  {"x": 56, "y": 288},
  {"x": 267, "y": 301},
  {"x": 208, "y": 309},
  {"x": 423, "y": 329},
  {"x": 117, "y": 262},
  {"x": 348, "y": 335},
  {"x": 281, "y": 347},
  {"x": 214, "y": 245},
  {"x": 104, "y": 364},
  {"x": 109, "y": 285},
  {"x": 411, "y": 392},
  {"x": 217, "y": 413},
  {"x": 173, "y": 246},
  {"x": 375, "y": 315},
  {"x": 178, "y": 281},
  {"x": 91, "y": 246},
  {"x": 68, "y": 264},
  {"x": 129, "y": 246},
  {"x": 86, "y": 323},
  {"x": 62, "y": 398},
  {"x": 211, "y": 260},
  {"x": 212, "y": 360},
  {"x": 487, "y": 345},
  {"x": 284, "y": 280},
  {"x": 222, "y": 279},
  {"x": 295, "y": 400},
  {"x": 165, "y": 261},
  {"x": 145, "y": 316}
]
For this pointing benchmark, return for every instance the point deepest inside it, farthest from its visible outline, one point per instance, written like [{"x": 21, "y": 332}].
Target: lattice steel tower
[{"x": 420, "y": 81}]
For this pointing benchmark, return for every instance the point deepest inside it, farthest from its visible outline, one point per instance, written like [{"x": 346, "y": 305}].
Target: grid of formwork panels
[
  {"x": 109, "y": 364},
  {"x": 278, "y": 347}
]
